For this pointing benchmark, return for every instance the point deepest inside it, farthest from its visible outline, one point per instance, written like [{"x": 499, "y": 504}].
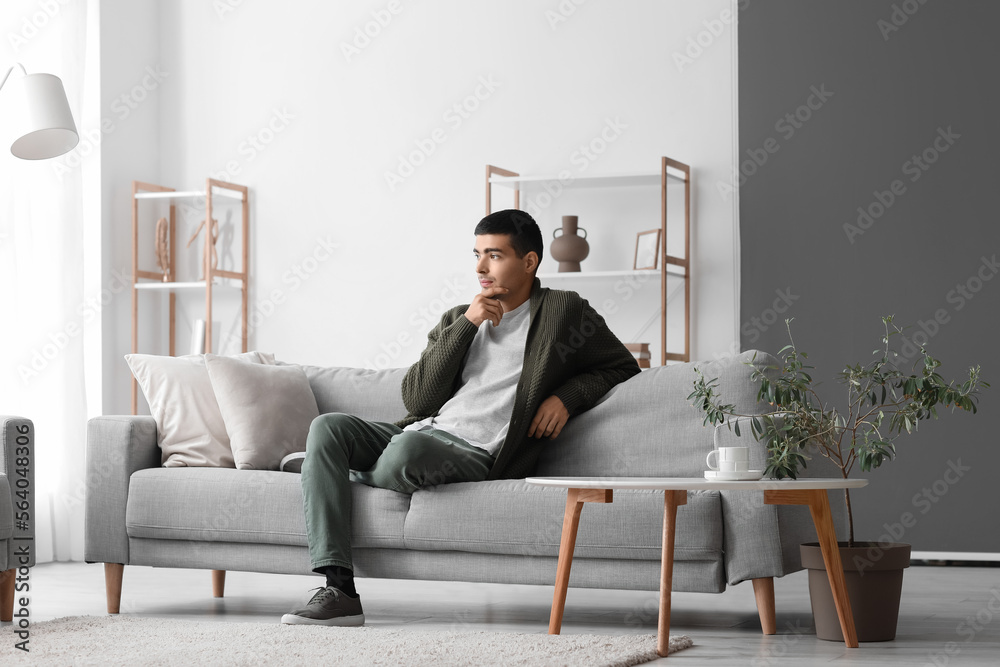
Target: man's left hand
[{"x": 552, "y": 415}]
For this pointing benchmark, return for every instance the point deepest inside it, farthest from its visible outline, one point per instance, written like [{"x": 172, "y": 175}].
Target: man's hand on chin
[
  {"x": 486, "y": 306},
  {"x": 552, "y": 415}
]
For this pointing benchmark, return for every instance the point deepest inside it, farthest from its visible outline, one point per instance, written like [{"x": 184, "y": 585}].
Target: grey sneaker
[{"x": 329, "y": 606}]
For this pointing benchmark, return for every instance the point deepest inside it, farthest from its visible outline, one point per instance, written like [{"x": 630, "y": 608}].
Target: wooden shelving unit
[
  {"x": 143, "y": 280},
  {"x": 674, "y": 272}
]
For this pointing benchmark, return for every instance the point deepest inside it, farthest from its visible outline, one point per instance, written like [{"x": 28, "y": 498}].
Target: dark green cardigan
[{"x": 569, "y": 353}]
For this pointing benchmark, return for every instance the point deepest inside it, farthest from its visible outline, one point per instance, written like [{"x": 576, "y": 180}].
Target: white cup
[{"x": 729, "y": 459}]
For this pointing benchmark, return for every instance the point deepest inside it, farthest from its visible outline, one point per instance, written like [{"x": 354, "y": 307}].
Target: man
[{"x": 499, "y": 376}]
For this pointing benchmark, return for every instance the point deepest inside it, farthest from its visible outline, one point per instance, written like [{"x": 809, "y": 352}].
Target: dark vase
[{"x": 569, "y": 249}]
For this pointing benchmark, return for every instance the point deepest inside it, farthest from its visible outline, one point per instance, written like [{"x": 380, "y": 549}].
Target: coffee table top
[{"x": 697, "y": 483}]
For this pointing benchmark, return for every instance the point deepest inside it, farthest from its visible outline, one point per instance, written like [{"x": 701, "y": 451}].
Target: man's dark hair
[{"x": 525, "y": 236}]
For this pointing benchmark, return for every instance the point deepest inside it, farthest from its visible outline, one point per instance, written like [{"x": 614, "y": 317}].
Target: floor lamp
[{"x": 36, "y": 114}]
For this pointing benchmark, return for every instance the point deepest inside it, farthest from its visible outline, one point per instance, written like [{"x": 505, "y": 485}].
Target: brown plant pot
[{"x": 874, "y": 576}]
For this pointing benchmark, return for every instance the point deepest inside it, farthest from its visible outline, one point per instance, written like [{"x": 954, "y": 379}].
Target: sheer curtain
[{"x": 43, "y": 297}]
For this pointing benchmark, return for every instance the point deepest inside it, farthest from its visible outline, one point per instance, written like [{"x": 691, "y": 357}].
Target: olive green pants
[{"x": 379, "y": 454}]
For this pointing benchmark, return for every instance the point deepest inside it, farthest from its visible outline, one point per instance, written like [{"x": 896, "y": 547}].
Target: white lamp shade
[{"x": 38, "y": 117}]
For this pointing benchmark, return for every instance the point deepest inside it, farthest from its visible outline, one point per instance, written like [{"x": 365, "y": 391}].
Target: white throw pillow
[
  {"x": 267, "y": 410},
  {"x": 189, "y": 427}
]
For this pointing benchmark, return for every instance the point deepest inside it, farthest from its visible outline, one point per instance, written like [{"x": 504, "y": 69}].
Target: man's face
[{"x": 497, "y": 265}]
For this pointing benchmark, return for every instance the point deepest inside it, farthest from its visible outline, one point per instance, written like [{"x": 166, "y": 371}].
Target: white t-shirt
[{"x": 480, "y": 410}]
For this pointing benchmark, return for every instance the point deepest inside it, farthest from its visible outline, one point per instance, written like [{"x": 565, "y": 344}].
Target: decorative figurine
[
  {"x": 214, "y": 232},
  {"x": 162, "y": 250}
]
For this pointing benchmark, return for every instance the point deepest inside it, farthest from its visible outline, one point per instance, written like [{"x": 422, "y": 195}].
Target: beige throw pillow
[
  {"x": 189, "y": 427},
  {"x": 267, "y": 410}
]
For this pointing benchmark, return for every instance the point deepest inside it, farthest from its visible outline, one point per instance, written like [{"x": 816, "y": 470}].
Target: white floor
[{"x": 949, "y": 615}]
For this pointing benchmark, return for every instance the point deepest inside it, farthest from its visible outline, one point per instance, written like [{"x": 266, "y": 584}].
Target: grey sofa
[
  {"x": 17, "y": 507},
  {"x": 494, "y": 531}
]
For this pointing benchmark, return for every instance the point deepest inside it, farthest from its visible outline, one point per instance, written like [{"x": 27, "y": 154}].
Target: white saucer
[{"x": 745, "y": 476}]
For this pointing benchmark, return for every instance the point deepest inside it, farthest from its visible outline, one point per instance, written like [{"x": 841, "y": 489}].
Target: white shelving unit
[
  {"x": 673, "y": 175},
  {"x": 674, "y": 272},
  {"x": 189, "y": 194},
  {"x": 215, "y": 278},
  {"x": 198, "y": 285},
  {"x": 671, "y": 271}
]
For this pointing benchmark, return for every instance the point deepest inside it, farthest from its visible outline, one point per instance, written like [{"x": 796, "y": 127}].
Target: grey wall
[{"x": 929, "y": 253}]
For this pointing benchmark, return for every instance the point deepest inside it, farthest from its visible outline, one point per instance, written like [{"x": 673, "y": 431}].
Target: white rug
[{"x": 126, "y": 640}]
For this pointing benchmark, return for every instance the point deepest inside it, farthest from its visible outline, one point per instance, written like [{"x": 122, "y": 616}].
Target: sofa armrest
[
  {"x": 117, "y": 446},
  {"x": 763, "y": 540},
  {"x": 17, "y": 463}
]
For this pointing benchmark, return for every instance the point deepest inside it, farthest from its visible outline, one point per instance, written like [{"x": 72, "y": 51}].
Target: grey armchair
[{"x": 17, "y": 507}]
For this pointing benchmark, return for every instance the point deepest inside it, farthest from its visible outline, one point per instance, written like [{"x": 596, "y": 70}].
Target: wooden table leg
[
  {"x": 671, "y": 499},
  {"x": 819, "y": 507},
  {"x": 575, "y": 498}
]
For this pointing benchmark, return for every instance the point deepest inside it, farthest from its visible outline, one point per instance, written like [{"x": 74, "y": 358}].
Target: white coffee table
[{"x": 810, "y": 492}]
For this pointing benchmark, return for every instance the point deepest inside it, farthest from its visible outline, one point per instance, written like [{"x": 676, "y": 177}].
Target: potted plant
[{"x": 883, "y": 402}]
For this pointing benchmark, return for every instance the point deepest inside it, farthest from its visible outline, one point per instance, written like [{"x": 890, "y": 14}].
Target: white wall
[
  {"x": 262, "y": 94},
  {"x": 130, "y": 150}
]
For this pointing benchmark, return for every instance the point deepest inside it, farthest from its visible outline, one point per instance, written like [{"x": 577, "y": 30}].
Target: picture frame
[{"x": 647, "y": 250}]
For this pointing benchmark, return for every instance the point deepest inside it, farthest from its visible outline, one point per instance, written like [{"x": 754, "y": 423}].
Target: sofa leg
[
  {"x": 763, "y": 590},
  {"x": 7, "y": 594},
  {"x": 113, "y": 585},
  {"x": 218, "y": 583}
]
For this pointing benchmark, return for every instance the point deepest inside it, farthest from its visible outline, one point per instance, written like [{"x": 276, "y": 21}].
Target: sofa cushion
[
  {"x": 514, "y": 517},
  {"x": 249, "y": 506},
  {"x": 267, "y": 410},
  {"x": 189, "y": 427},
  {"x": 370, "y": 394},
  {"x": 647, "y": 426}
]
